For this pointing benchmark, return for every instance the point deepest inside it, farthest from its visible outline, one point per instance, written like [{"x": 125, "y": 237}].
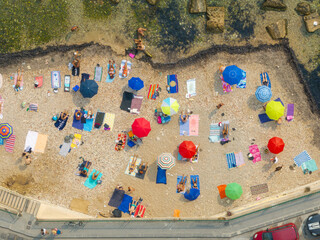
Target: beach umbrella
[
  {"x": 5, "y": 130},
  {"x": 141, "y": 127},
  {"x": 232, "y": 74},
  {"x": 233, "y": 191},
  {"x": 89, "y": 88},
  {"x": 275, "y": 110},
  {"x": 166, "y": 161},
  {"x": 135, "y": 83},
  {"x": 263, "y": 94},
  {"x": 170, "y": 106},
  {"x": 192, "y": 194},
  {"x": 187, "y": 149},
  {"x": 276, "y": 145}
]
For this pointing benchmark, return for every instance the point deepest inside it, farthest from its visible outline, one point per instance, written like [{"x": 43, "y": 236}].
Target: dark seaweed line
[{"x": 303, "y": 74}]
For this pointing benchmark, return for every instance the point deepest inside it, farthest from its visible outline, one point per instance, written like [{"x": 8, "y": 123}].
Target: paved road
[{"x": 27, "y": 228}]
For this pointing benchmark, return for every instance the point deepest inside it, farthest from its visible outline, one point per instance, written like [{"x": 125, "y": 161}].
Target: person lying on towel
[
  {"x": 265, "y": 81},
  {"x": 95, "y": 175},
  {"x": 132, "y": 207},
  {"x": 111, "y": 71},
  {"x": 185, "y": 116},
  {"x": 182, "y": 184}
]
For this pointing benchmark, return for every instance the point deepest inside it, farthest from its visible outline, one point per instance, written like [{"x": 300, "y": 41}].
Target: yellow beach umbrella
[
  {"x": 170, "y": 106},
  {"x": 275, "y": 110}
]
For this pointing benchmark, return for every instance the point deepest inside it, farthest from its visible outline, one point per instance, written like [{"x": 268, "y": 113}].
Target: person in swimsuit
[
  {"x": 132, "y": 207},
  {"x": 111, "y": 71},
  {"x": 265, "y": 81},
  {"x": 182, "y": 184},
  {"x": 95, "y": 175}
]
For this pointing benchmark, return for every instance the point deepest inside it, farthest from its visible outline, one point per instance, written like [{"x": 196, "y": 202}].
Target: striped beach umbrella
[
  {"x": 263, "y": 94},
  {"x": 166, "y": 161},
  {"x": 5, "y": 130},
  {"x": 170, "y": 106}
]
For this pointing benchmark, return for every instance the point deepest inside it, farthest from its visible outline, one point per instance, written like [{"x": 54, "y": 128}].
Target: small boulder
[
  {"x": 274, "y": 5},
  {"x": 198, "y": 6},
  {"x": 278, "y": 30},
  {"x": 312, "y": 22},
  {"x": 152, "y": 2},
  {"x": 303, "y": 8},
  {"x": 215, "y": 21},
  {"x": 115, "y": 1}
]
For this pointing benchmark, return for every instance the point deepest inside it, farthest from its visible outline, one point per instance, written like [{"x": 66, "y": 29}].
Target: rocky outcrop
[
  {"x": 115, "y": 1},
  {"x": 312, "y": 22},
  {"x": 197, "y": 6},
  {"x": 278, "y": 30},
  {"x": 274, "y": 5},
  {"x": 215, "y": 21},
  {"x": 303, "y": 8},
  {"x": 152, "y": 2}
]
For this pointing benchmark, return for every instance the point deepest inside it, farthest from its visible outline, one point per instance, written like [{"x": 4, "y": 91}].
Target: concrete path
[{"x": 26, "y": 227}]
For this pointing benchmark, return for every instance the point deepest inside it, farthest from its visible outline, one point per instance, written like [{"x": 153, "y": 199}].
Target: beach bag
[{"x": 117, "y": 213}]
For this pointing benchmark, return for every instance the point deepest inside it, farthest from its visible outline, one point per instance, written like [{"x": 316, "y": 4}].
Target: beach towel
[
  {"x": 143, "y": 210},
  {"x": 76, "y": 141},
  {"x": 161, "y": 176},
  {"x": 98, "y": 73},
  {"x": 184, "y": 127},
  {"x": 264, "y": 118},
  {"x": 84, "y": 77},
  {"x": 55, "y": 79},
  {"x": 116, "y": 198},
  {"x": 243, "y": 81},
  {"x": 33, "y": 107},
  {"x": 152, "y": 89},
  {"x": 41, "y": 143},
  {"x": 1, "y": 141},
  {"x": 214, "y": 134},
  {"x": 259, "y": 189},
  {"x": 87, "y": 126},
  {"x": 221, "y": 131},
  {"x": 60, "y": 123},
  {"x": 231, "y": 160},
  {"x": 172, "y": 82},
  {"x": 309, "y": 166},
  {"x": 179, "y": 178},
  {"x": 122, "y": 136},
  {"x": 134, "y": 172},
  {"x": 1, "y": 107},
  {"x": 136, "y": 104},
  {"x": 279, "y": 100},
  {"x": 139, "y": 175},
  {"x": 65, "y": 148},
  {"x": 109, "y": 119},
  {"x": 193, "y": 125},
  {"x": 195, "y": 178},
  {"x": 39, "y": 80},
  {"x": 77, "y": 123},
  {"x": 9, "y": 147},
  {"x": 126, "y": 101},
  {"x": 301, "y": 158},
  {"x": 90, "y": 183},
  {"x": 99, "y": 119},
  {"x": 226, "y": 87},
  {"x": 124, "y": 206},
  {"x": 191, "y": 88},
  {"x": 15, "y": 79},
  {"x": 108, "y": 79},
  {"x": 129, "y": 65},
  {"x": 75, "y": 71},
  {"x": 290, "y": 112},
  {"x": 254, "y": 150},
  {"x": 261, "y": 78},
  {"x": 31, "y": 140},
  {"x": 239, "y": 159}
]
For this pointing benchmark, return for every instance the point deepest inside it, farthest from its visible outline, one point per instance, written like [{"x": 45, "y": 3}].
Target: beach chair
[{"x": 221, "y": 189}]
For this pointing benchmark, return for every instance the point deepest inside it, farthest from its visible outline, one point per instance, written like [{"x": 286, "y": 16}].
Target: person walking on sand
[
  {"x": 219, "y": 105},
  {"x": 278, "y": 168}
]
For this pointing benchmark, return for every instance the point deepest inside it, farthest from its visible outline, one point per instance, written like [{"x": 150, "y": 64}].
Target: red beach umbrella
[
  {"x": 187, "y": 149},
  {"x": 276, "y": 145},
  {"x": 141, "y": 127}
]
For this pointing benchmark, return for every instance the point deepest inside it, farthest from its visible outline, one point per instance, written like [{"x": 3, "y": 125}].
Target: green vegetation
[
  {"x": 97, "y": 9},
  {"x": 30, "y": 23}
]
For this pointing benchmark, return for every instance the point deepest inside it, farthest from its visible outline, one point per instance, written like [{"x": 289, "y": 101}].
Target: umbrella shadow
[
  {"x": 152, "y": 172},
  {"x": 126, "y": 88},
  {"x": 316, "y": 140},
  {"x": 217, "y": 85},
  {"x": 266, "y": 167},
  {"x": 271, "y": 125},
  {"x": 79, "y": 100},
  {"x": 254, "y": 104},
  {"x": 226, "y": 202},
  {"x": 19, "y": 160}
]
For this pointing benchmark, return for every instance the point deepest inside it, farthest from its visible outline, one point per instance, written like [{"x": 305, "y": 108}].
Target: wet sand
[{"x": 54, "y": 178}]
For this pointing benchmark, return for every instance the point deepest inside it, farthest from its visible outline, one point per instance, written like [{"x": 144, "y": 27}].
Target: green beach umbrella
[{"x": 233, "y": 191}]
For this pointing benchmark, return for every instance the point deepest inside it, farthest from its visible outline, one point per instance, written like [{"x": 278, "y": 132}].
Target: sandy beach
[{"x": 52, "y": 178}]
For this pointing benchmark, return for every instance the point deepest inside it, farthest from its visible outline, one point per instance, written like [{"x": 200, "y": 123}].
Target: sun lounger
[
  {"x": 60, "y": 123},
  {"x": 191, "y": 88},
  {"x": 99, "y": 119},
  {"x": 65, "y": 148},
  {"x": 124, "y": 206},
  {"x": 184, "y": 127},
  {"x": 152, "y": 89},
  {"x": 179, "y": 178},
  {"x": 133, "y": 166},
  {"x": 143, "y": 210},
  {"x": 214, "y": 134},
  {"x": 221, "y": 131},
  {"x": 172, "y": 82},
  {"x": 116, "y": 198},
  {"x": 261, "y": 78},
  {"x": 98, "y": 73},
  {"x": 31, "y": 140},
  {"x": 89, "y": 123},
  {"x": 195, "y": 178},
  {"x": 259, "y": 189},
  {"x": 254, "y": 150},
  {"x": 161, "y": 176},
  {"x": 222, "y": 189},
  {"x": 126, "y": 101},
  {"x": 309, "y": 166},
  {"x": 9, "y": 147},
  {"x": 290, "y": 112},
  {"x": 109, "y": 120},
  {"x": 231, "y": 160},
  {"x": 39, "y": 80},
  {"x": 76, "y": 141},
  {"x": 90, "y": 183},
  {"x": 123, "y": 62},
  {"x": 121, "y": 136},
  {"x": 55, "y": 79},
  {"x": 41, "y": 143},
  {"x": 301, "y": 158},
  {"x": 239, "y": 159},
  {"x": 193, "y": 125},
  {"x": 136, "y": 104},
  {"x": 108, "y": 79},
  {"x": 77, "y": 123},
  {"x": 264, "y": 118}
]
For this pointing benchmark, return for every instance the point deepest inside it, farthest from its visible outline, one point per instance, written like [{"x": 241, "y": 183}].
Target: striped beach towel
[
  {"x": 152, "y": 89},
  {"x": 10, "y": 143},
  {"x": 33, "y": 107},
  {"x": 231, "y": 160},
  {"x": 301, "y": 158},
  {"x": 214, "y": 135},
  {"x": 259, "y": 189},
  {"x": 309, "y": 166}
]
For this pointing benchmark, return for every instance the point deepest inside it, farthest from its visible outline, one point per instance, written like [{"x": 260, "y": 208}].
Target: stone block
[
  {"x": 215, "y": 21},
  {"x": 274, "y": 5},
  {"x": 312, "y": 22},
  {"x": 278, "y": 30},
  {"x": 152, "y": 2},
  {"x": 197, "y": 6}
]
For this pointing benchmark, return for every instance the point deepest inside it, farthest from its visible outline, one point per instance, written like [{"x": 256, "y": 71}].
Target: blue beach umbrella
[
  {"x": 263, "y": 94},
  {"x": 136, "y": 83},
  {"x": 89, "y": 88},
  {"x": 192, "y": 194},
  {"x": 232, "y": 75}
]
